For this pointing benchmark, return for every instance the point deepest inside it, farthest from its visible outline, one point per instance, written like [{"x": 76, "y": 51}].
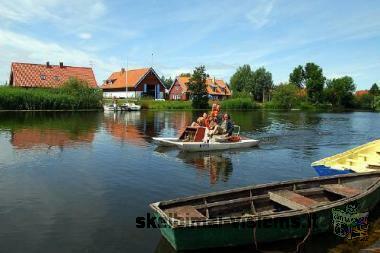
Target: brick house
[
  {"x": 29, "y": 75},
  {"x": 361, "y": 93},
  {"x": 216, "y": 88},
  {"x": 141, "y": 83}
]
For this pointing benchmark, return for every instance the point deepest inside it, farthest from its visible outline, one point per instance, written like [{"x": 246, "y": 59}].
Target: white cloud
[
  {"x": 60, "y": 12},
  {"x": 259, "y": 16},
  {"x": 85, "y": 36},
  {"x": 22, "y": 48}
]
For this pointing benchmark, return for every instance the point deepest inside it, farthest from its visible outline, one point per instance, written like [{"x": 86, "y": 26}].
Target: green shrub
[
  {"x": 242, "y": 94},
  {"x": 285, "y": 96},
  {"x": 307, "y": 106},
  {"x": 72, "y": 96},
  {"x": 165, "y": 105},
  {"x": 377, "y": 103},
  {"x": 243, "y": 103},
  {"x": 365, "y": 102}
]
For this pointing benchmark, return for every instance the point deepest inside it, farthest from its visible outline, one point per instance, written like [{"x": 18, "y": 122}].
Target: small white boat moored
[
  {"x": 132, "y": 107},
  {"x": 192, "y": 140},
  {"x": 110, "y": 108}
]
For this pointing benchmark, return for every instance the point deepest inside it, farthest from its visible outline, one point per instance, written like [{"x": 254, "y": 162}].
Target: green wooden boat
[{"x": 266, "y": 213}]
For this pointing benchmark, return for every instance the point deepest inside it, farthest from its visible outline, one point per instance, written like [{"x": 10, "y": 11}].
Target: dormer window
[
  {"x": 56, "y": 78},
  {"x": 43, "y": 77}
]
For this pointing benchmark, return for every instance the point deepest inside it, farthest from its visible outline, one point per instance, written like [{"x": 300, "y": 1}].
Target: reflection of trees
[
  {"x": 50, "y": 129},
  {"x": 219, "y": 166}
]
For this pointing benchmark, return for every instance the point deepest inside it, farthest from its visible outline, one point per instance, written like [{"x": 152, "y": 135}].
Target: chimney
[
  {"x": 122, "y": 70},
  {"x": 214, "y": 80},
  {"x": 48, "y": 64},
  {"x": 61, "y": 64}
]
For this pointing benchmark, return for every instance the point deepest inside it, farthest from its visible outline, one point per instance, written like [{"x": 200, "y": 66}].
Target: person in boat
[
  {"x": 226, "y": 127},
  {"x": 201, "y": 121},
  {"x": 215, "y": 110}
]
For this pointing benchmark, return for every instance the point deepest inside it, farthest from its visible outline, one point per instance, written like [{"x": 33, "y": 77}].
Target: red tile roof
[
  {"x": 118, "y": 79},
  {"x": 361, "y": 92},
  {"x": 211, "y": 83},
  {"x": 52, "y": 76}
]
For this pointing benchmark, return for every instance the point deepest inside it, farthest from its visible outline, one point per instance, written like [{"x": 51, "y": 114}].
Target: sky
[{"x": 343, "y": 37}]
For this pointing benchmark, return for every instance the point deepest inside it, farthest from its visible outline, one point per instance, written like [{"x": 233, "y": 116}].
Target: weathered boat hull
[
  {"x": 268, "y": 228},
  {"x": 239, "y": 234},
  {"x": 201, "y": 146},
  {"x": 359, "y": 159}
]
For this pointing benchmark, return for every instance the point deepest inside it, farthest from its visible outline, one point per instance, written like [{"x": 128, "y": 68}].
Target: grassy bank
[
  {"x": 229, "y": 104},
  {"x": 239, "y": 104},
  {"x": 73, "y": 96},
  {"x": 150, "y": 104}
]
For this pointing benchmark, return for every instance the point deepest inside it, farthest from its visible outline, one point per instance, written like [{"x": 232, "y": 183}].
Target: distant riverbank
[
  {"x": 232, "y": 104},
  {"x": 72, "y": 96},
  {"x": 75, "y": 97}
]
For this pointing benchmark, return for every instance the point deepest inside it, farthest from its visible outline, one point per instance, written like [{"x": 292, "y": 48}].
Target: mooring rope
[
  {"x": 254, "y": 236},
  {"x": 308, "y": 233}
]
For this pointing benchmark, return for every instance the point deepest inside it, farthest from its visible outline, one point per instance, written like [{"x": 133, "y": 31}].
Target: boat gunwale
[
  {"x": 256, "y": 217},
  {"x": 176, "y": 141}
]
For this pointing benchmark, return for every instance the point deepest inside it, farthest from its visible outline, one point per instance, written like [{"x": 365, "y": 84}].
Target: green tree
[
  {"x": 166, "y": 81},
  {"x": 297, "y": 77},
  {"x": 262, "y": 83},
  {"x": 339, "y": 91},
  {"x": 185, "y": 75},
  {"x": 377, "y": 103},
  {"x": 314, "y": 81},
  {"x": 285, "y": 96},
  {"x": 197, "y": 88},
  {"x": 365, "y": 101},
  {"x": 374, "y": 91},
  {"x": 242, "y": 79}
]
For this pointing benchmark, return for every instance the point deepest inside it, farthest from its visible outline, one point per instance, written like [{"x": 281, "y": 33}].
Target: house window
[
  {"x": 56, "y": 78},
  {"x": 43, "y": 77}
]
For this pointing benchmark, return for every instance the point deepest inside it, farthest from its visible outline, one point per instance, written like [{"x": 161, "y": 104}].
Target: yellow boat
[{"x": 365, "y": 158}]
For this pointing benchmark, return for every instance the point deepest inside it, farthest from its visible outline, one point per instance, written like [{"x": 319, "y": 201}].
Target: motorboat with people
[{"x": 195, "y": 139}]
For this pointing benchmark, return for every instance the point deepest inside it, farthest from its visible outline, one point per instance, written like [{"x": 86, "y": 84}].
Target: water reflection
[
  {"x": 123, "y": 127},
  {"x": 218, "y": 165},
  {"x": 40, "y": 130},
  {"x": 87, "y": 199}
]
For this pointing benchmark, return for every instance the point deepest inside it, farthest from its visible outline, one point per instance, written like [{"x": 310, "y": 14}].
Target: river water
[{"x": 75, "y": 182}]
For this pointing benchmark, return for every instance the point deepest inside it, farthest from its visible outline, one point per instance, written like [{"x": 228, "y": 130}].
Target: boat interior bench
[
  {"x": 292, "y": 200},
  {"x": 341, "y": 190},
  {"x": 185, "y": 212},
  {"x": 373, "y": 166}
]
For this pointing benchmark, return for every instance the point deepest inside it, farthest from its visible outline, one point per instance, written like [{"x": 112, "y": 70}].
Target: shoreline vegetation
[
  {"x": 242, "y": 103},
  {"x": 307, "y": 90},
  {"x": 73, "y": 95}
]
